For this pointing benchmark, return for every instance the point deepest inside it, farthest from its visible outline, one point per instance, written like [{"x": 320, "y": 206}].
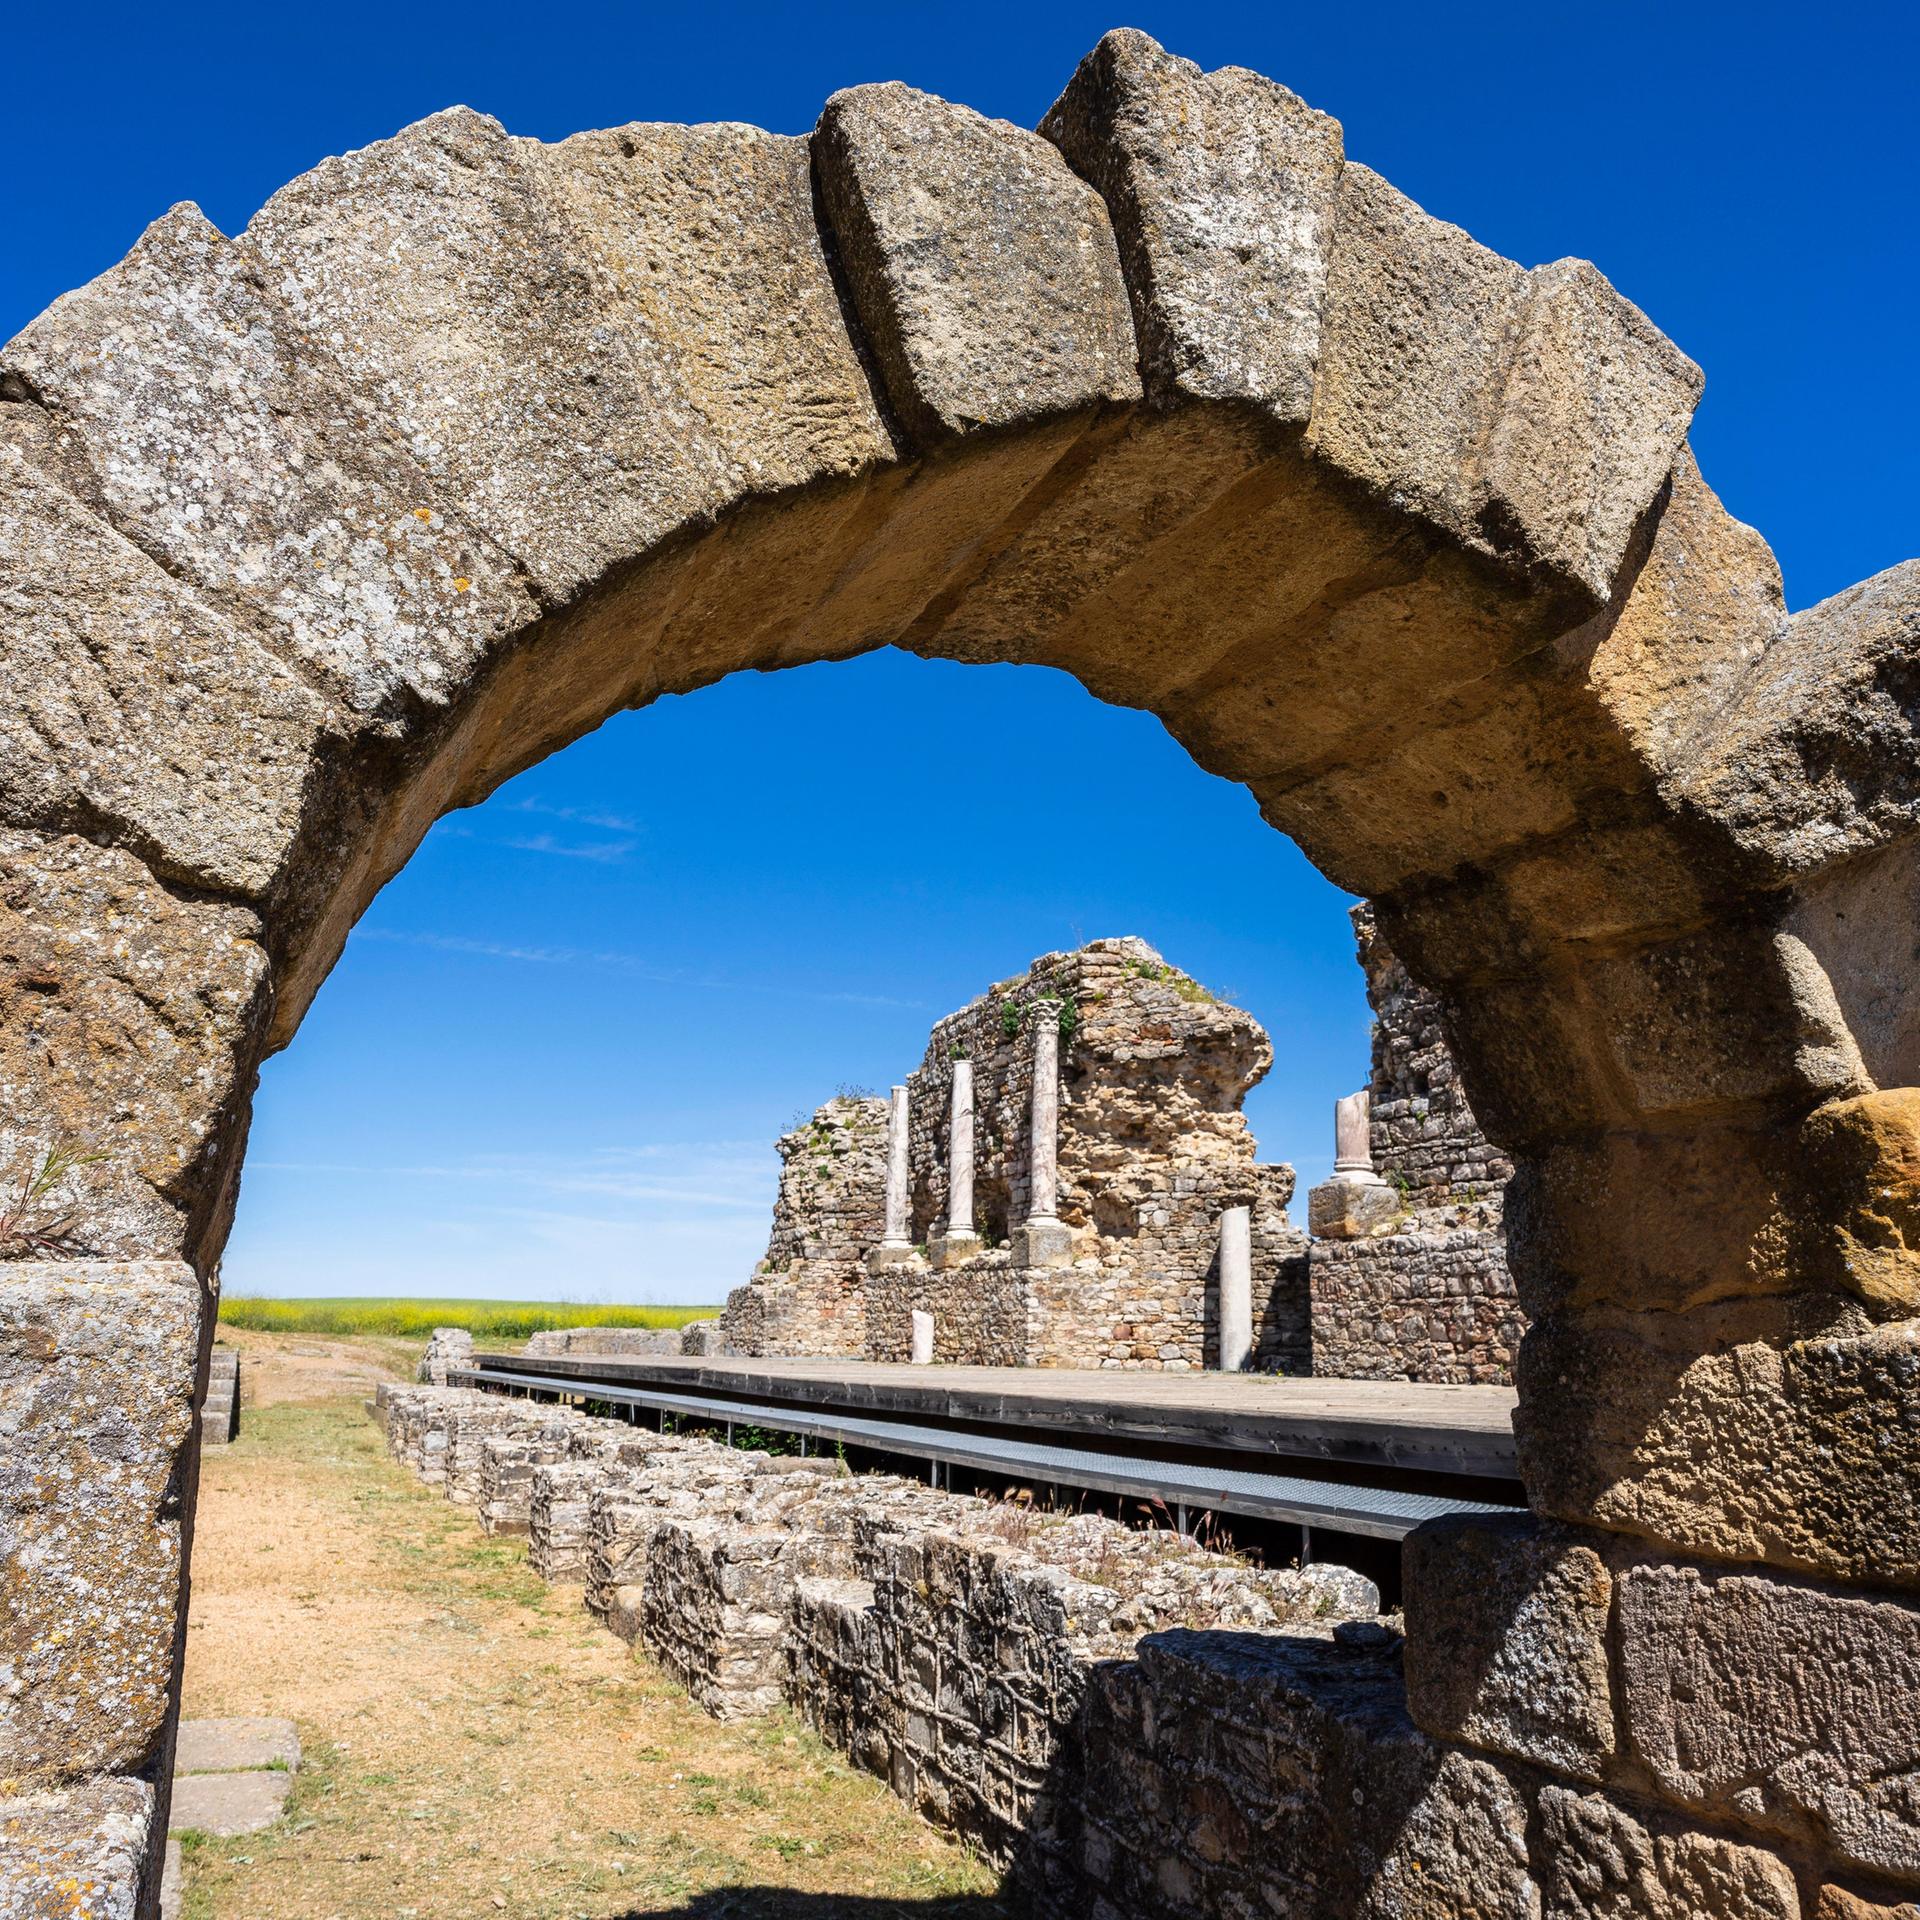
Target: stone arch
[{"x": 469, "y": 441}]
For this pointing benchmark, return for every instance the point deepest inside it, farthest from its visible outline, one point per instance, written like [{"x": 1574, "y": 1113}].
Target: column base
[
  {"x": 886, "y": 1256},
  {"x": 1351, "y": 1209},
  {"x": 953, "y": 1249},
  {"x": 1042, "y": 1243}
]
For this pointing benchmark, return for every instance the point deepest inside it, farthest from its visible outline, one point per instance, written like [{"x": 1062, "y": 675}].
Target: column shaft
[
  {"x": 960, "y": 1151},
  {"x": 1236, "y": 1288}
]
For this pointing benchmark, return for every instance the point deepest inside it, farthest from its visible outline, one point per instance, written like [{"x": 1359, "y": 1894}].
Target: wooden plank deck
[{"x": 1361, "y": 1423}]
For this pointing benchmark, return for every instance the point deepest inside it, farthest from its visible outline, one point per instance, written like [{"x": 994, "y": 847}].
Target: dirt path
[{"x": 474, "y": 1744}]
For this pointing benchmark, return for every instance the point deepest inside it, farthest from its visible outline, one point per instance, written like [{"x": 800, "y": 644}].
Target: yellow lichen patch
[{"x": 461, "y": 583}]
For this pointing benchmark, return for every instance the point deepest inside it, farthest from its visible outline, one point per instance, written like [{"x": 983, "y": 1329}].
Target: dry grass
[{"x": 475, "y": 1746}]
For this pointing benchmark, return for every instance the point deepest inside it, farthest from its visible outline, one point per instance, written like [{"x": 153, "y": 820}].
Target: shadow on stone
[{"x": 785, "y": 1903}]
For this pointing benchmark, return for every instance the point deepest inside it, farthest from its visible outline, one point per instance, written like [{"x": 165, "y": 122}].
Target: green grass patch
[{"x": 415, "y": 1319}]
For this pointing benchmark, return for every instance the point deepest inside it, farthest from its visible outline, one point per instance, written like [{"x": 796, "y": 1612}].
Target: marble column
[
  {"x": 1353, "y": 1140},
  {"x": 1236, "y": 1288},
  {"x": 1356, "y": 1202},
  {"x": 895, "y": 1249},
  {"x": 1041, "y": 1240},
  {"x": 959, "y": 1242}
]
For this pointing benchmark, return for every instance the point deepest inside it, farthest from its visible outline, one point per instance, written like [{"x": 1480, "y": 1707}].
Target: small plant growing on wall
[
  {"x": 32, "y": 1226},
  {"x": 1010, "y": 1013}
]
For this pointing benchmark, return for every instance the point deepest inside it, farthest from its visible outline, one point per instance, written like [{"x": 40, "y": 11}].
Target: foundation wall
[
  {"x": 1133, "y": 1728},
  {"x": 1424, "y": 1291}
]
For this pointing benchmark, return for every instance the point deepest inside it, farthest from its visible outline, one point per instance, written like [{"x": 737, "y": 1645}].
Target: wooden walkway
[{"x": 1387, "y": 1425}]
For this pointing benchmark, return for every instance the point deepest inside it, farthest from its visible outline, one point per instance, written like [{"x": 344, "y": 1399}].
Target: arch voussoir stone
[{"x": 470, "y": 441}]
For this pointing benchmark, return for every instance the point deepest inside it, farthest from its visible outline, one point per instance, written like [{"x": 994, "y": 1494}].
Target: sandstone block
[
  {"x": 985, "y": 273},
  {"x": 1597, "y": 1861},
  {"x": 1814, "y": 760},
  {"x": 1222, "y": 188},
  {"x": 1857, "y": 919},
  {"x": 1736, "y": 1018},
  {"x": 97, "y": 1366},
  {"x": 1507, "y": 1641},
  {"x": 1660, "y": 1221},
  {"x": 1350, "y": 1210},
  {"x": 1836, "y": 1903},
  {"x": 131, "y": 704},
  {"x": 232, "y": 452},
  {"x": 1707, "y": 602},
  {"x": 84, "y": 1853},
  {"x": 127, "y": 1015},
  {"x": 1785, "y": 1432},
  {"x": 1778, "y": 1705},
  {"x": 1534, "y": 415},
  {"x": 586, "y": 345},
  {"x": 1594, "y": 413},
  {"x": 1857, "y": 1206},
  {"x": 1413, "y": 357}
]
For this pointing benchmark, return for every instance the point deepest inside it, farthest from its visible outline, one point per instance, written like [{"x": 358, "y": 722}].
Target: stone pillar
[
  {"x": 1353, "y": 1140},
  {"x": 1236, "y": 1288},
  {"x": 959, "y": 1243},
  {"x": 1356, "y": 1201},
  {"x": 1041, "y": 1240},
  {"x": 922, "y": 1337},
  {"x": 895, "y": 1248}
]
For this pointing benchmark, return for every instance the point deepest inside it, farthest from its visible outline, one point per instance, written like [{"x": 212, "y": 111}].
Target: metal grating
[{"x": 1379, "y": 1512}]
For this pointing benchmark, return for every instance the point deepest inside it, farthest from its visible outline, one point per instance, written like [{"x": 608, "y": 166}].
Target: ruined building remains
[
  {"x": 1409, "y": 1276},
  {"x": 1052, "y": 1186},
  {"x": 1113, "y": 1256},
  {"x": 313, "y": 533}
]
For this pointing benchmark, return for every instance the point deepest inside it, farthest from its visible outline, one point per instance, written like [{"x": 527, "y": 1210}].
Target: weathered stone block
[
  {"x": 96, "y": 1408},
  {"x": 231, "y": 450},
  {"x": 1786, "y": 1432},
  {"x": 1814, "y": 761},
  {"x": 1857, "y": 1200},
  {"x": 985, "y": 273},
  {"x": 1221, "y": 187},
  {"x": 1737, "y": 1017},
  {"x": 1597, "y": 1861},
  {"x": 1778, "y": 1705},
  {"x": 1507, "y": 1641},
  {"x": 1836, "y": 1903},
  {"x": 127, "y": 1017},
  {"x": 84, "y": 1853},
  {"x": 557, "y": 338},
  {"x": 1350, "y": 1210},
  {"x": 1659, "y": 1221},
  {"x": 130, "y": 702},
  {"x": 1595, "y": 411}
]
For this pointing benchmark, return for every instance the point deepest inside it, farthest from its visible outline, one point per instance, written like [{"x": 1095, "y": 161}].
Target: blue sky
[{"x": 557, "y": 1049}]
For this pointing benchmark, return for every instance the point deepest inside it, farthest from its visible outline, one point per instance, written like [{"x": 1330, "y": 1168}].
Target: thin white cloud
[
  {"x": 607, "y": 852},
  {"x": 580, "y": 816},
  {"x": 732, "y": 1185},
  {"x": 630, "y": 964}
]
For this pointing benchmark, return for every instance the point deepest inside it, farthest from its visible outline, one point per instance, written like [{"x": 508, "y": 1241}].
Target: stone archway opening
[{"x": 469, "y": 441}]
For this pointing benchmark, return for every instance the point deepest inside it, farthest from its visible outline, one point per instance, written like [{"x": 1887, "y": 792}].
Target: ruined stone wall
[
  {"x": 1136, "y": 1729},
  {"x": 981, "y": 1314},
  {"x": 608, "y": 1341},
  {"x": 1422, "y": 1289},
  {"x": 807, "y": 1296},
  {"x": 1153, "y": 1146},
  {"x": 1153, "y": 1070},
  {"x": 1428, "y": 1301},
  {"x": 1426, "y": 1141}
]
